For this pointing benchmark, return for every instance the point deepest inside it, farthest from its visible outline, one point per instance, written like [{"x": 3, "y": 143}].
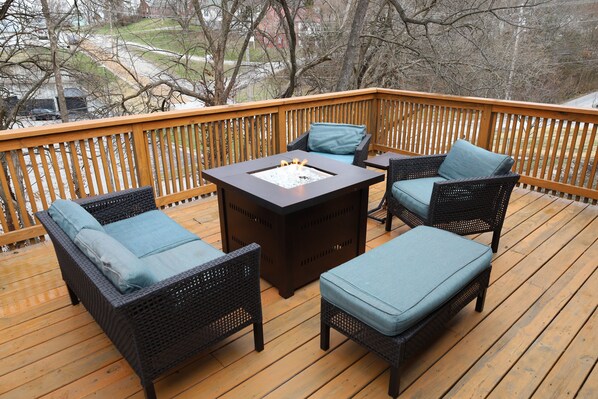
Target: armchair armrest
[
  {"x": 300, "y": 143},
  {"x": 361, "y": 152},
  {"x": 413, "y": 168},
  {"x": 483, "y": 198},
  {"x": 198, "y": 305},
  {"x": 112, "y": 207}
]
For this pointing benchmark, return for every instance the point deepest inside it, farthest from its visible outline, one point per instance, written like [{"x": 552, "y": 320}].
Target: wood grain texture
[{"x": 535, "y": 338}]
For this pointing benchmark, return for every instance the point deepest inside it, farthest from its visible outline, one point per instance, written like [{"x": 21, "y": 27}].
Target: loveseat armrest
[
  {"x": 112, "y": 207},
  {"x": 202, "y": 305},
  {"x": 484, "y": 198},
  {"x": 412, "y": 168},
  {"x": 361, "y": 152},
  {"x": 300, "y": 143}
]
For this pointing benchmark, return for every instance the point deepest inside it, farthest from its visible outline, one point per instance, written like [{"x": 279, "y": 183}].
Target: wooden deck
[{"x": 537, "y": 336}]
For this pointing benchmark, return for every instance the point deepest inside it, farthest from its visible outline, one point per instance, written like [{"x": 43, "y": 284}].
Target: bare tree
[
  {"x": 51, "y": 26},
  {"x": 352, "y": 49}
]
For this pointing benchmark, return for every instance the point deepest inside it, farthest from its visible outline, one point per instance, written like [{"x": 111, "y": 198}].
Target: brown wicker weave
[
  {"x": 158, "y": 327},
  {"x": 397, "y": 349},
  {"x": 466, "y": 206},
  {"x": 361, "y": 153}
]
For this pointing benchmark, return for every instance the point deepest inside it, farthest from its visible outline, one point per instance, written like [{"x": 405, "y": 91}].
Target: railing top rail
[
  {"x": 256, "y": 105},
  {"x": 177, "y": 114},
  {"x": 492, "y": 102}
]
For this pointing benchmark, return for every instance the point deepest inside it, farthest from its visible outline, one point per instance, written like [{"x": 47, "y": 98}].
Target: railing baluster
[
  {"x": 86, "y": 168},
  {"x": 38, "y": 178},
  {"x": 26, "y": 180},
  {"x": 17, "y": 191},
  {"x": 121, "y": 159},
  {"x": 96, "y": 167},
  {"x": 129, "y": 152},
  {"x": 56, "y": 169},
  {"x": 77, "y": 169},
  {"x": 587, "y": 159}
]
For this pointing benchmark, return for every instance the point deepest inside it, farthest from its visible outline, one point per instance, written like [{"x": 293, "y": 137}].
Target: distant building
[
  {"x": 210, "y": 10},
  {"x": 271, "y": 32},
  {"x": 46, "y": 96}
]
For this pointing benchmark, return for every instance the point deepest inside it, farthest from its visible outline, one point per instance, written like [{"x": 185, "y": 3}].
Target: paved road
[
  {"x": 587, "y": 101},
  {"x": 147, "y": 72},
  {"x": 131, "y": 67}
]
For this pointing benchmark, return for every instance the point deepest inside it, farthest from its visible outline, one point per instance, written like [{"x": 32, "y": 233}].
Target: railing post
[
  {"x": 142, "y": 161},
  {"x": 486, "y": 123},
  {"x": 280, "y": 134},
  {"x": 374, "y": 115}
]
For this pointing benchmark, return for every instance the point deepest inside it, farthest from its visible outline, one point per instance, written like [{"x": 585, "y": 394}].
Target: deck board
[{"x": 536, "y": 337}]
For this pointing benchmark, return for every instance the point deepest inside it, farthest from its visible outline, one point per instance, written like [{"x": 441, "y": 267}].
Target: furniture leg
[
  {"x": 393, "y": 384},
  {"x": 72, "y": 295},
  {"x": 372, "y": 211},
  {"x": 149, "y": 391},
  {"x": 388, "y": 221},
  {"x": 479, "y": 305},
  {"x": 258, "y": 336},
  {"x": 495, "y": 239},
  {"x": 324, "y": 336}
]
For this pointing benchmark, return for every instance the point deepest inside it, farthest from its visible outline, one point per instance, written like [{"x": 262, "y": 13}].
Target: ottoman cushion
[{"x": 393, "y": 286}]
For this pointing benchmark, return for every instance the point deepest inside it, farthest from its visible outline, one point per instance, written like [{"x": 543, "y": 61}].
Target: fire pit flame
[
  {"x": 295, "y": 161},
  {"x": 291, "y": 174}
]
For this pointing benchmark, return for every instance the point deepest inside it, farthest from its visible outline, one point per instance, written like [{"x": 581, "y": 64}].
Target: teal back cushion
[
  {"x": 335, "y": 138},
  {"x": 466, "y": 160},
  {"x": 124, "y": 270},
  {"x": 71, "y": 217},
  {"x": 348, "y": 159}
]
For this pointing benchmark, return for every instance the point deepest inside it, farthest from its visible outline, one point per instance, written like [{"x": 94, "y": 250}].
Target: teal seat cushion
[
  {"x": 393, "y": 286},
  {"x": 71, "y": 217},
  {"x": 149, "y": 233},
  {"x": 176, "y": 260},
  {"x": 335, "y": 138},
  {"x": 465, "y": 160},
  {"x": 341, "y": 158},
  {"x": 415, "y": 194},
  {"x": 124, "y": 270}
]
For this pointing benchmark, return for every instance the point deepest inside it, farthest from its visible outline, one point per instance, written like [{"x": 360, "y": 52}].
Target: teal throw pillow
[
  {"x": 466, "y": 160},
  {"x": 71, "y": 217},
  {"x": 335, "y": 138},
  {"x": 124, "y": 270}
]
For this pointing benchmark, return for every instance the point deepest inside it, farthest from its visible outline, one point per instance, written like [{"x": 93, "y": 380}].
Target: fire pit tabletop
[{"x": 345, "y": 178}]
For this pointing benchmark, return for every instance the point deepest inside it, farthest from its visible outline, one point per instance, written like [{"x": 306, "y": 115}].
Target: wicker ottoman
[{"x": 396, "y": 297}]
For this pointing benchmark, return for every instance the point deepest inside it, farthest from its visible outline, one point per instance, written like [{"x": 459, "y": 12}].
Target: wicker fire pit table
[{"x": 303, "y": 230}]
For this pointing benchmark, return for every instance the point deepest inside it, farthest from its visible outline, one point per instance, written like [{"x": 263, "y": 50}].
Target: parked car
[{"x": 44, "y": 114}]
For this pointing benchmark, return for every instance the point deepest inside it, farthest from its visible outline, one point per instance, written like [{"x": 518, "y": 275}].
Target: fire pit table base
[{"x": 298, "y": 247}]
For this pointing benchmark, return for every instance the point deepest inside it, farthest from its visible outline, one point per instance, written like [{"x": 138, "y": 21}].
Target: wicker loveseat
[
  {"x": 466, "y": 191},
  {"x": 163, "y": 324},
  {"x": 341, "y": 142}
]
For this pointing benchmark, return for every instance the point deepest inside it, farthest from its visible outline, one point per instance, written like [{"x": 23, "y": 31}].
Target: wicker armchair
[
  {"x": 158, "y": 327},
  {"x": 360, "y": 155},
  {"x": 464, "y": 206}
]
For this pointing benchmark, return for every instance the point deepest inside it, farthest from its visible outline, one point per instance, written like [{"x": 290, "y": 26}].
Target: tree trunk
[
  {"x": 55, "y": 64},
  {"x": 351, "y": 51},
  {"x": 292, "y": 36}
]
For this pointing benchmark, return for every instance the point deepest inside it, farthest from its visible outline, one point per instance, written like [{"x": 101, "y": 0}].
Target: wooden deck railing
[{"x": 554, "y": 147}]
